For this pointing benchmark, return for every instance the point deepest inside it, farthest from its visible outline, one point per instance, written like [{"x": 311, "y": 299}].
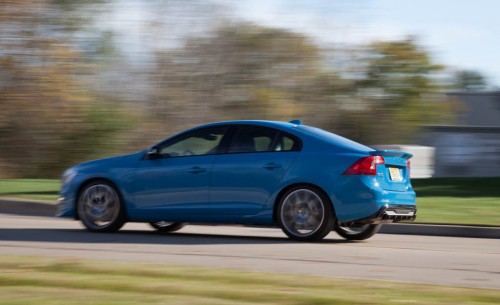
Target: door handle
[
  {"x": 197, "y": 170},
  {"x": 271, "y": 166}
]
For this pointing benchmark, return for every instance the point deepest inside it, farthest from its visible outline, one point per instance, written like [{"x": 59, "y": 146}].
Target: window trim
[{"x": 223, "y": 146}]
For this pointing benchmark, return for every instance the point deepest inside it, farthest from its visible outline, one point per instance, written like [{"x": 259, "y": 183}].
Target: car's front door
[
  {"x": 173, "y": 184},
  {"x": 244, "y": 178}
]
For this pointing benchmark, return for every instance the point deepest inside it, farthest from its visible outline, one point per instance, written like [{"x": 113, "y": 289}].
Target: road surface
[{"x": 470, "y": 262}]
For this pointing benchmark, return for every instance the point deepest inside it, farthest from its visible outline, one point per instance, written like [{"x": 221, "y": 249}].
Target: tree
[
  {"x": 469, "y": 80},
  {"x": 399, "y": 93},
  {"x": 49, "y": 118},
  {"x": 242, "y": 71}
]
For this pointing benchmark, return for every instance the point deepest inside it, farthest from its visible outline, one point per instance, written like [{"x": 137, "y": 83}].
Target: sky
[{"x": 460, "y": 34}]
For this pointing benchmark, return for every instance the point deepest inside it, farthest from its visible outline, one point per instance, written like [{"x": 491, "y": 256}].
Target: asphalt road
[{"x": 471, "y": 262}]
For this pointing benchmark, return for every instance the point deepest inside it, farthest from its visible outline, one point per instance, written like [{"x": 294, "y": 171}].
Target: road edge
[
  {"x": 28, "y": 207},
  {"x": 441, "y": 230}
]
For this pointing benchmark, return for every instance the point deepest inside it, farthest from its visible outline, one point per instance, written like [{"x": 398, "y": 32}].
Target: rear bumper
[
  {"x": 392, "y": 213},
  {"x": 363, "y": 199}
]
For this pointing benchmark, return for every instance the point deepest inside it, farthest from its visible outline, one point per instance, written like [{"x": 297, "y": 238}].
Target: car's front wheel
[
  {"x": 165, "y": 226},
  {"x": 305, "y": 214},
  {"x": 357, "y": 231},
  {"x": 100, "y": 208}
]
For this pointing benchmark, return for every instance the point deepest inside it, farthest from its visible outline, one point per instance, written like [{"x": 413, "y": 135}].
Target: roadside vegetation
[
  {"x": 51, "y": 281},
  {"x": 461, "y": 201},
  {"x": 465, "y": 201},
  {"x": 74, "y": 89},
  {"x": 33, "y": 189}
]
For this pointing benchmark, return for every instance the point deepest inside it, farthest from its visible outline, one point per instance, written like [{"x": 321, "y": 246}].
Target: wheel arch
[{"x": 296, "y": 184}]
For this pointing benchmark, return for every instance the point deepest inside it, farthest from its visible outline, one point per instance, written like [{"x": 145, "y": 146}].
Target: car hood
[{"x": 118, "y": 161}]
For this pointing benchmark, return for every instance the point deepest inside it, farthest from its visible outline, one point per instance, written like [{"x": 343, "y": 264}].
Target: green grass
[
  {"x": 40, "y": 189},
  {"x": 463, "y": 201},
  {"x": 69, "y": 281},
  {"x": 457, "y": 187}
]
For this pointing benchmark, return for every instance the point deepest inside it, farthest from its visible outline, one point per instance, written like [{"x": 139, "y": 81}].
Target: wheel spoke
[
  {"x": 314, "y": 221},
  {"x": 164, "y": 223}
]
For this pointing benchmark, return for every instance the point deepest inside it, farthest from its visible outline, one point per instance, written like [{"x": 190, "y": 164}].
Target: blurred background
[{"x": 86, "y": 79}]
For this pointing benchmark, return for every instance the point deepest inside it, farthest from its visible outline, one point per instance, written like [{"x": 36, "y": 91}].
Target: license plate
[{"x": 395, "y": 174}]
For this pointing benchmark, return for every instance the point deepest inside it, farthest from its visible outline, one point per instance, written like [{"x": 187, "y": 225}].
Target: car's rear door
[{"x": 247, "y": 174}]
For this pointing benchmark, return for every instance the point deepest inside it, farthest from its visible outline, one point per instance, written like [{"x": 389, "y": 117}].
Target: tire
[
  {"x": 305, "y": 213},
  {"x": 165, "y": 226},
  {"x": 100, "y": 208},
  {"x": 357, "y": 231}
]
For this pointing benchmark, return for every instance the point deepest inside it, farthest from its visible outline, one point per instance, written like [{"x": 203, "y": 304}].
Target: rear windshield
[{"x": 334, "y": 138}]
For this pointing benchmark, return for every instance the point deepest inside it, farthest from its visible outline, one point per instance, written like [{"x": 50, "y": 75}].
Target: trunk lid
[{"x": 394, "y": 174}]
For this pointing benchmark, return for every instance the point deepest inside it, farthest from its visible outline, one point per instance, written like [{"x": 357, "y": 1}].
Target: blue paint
[{"x": 223, "y": 187}]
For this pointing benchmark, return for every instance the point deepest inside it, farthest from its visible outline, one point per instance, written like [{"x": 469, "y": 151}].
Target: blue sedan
[{"x": 303, "y": 179}]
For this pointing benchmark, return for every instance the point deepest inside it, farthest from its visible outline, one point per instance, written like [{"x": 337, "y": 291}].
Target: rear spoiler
[{"x": 391, "y": 153}]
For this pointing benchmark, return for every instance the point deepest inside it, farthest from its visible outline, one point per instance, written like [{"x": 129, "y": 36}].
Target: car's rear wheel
[
  {"x": 100, "y": 208},
  {"x": 165, "y": 226},
  {"x": 357, "y": 231},
  {"x": 305, "y": 214}
]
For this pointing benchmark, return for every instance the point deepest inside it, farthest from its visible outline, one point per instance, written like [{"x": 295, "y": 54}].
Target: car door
[
  {"x": 173, "y": 183},
  {"x": 244, "y": 178}
]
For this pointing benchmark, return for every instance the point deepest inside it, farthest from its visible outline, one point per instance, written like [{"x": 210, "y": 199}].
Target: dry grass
[{"x": 51, "y": 281}]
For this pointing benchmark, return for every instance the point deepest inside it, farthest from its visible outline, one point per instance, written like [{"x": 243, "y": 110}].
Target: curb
[
  {"x": 47, "y": 209},
  {"x": 27, "y": 207},
  {"x": 441, "y": 230}
]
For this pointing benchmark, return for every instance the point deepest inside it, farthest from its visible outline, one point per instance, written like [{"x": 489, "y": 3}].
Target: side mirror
[{"x": 153, "y": 153}]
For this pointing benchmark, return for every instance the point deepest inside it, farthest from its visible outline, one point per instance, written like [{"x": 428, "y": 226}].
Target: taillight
[
  {"x": 408, "y": 163},
  {"x": 365, "y": 166}
]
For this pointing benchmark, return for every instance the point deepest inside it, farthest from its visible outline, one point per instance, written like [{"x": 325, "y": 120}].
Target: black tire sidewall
[
  {"x": 371, "y": 230},
  {"x": 175, "y": 226}
]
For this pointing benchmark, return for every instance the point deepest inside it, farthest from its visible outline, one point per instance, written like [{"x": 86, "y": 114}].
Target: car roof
[
  {"x": 284, "y": 126},
  {"x": 298, "y": 130},
  {"x": 254, "y": 122}
]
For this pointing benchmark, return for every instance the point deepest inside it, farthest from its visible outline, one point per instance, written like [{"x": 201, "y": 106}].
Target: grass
[
  {"x": 457, "y": 187},
  {"x": 49, "y": 281},
  {"x": 462, "y": 201},
  {"x": 40, "y": 189}
]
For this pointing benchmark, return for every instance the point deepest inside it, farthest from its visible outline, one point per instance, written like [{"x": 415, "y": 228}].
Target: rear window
[
  {"x": 334, "y": 138},
  {"x": 249, "y": 139}
]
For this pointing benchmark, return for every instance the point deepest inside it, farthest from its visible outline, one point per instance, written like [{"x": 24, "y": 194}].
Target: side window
[
  {"x": 287, "y": 143},
  {"x": 252, "y": 139},
  {"x": 199, "y": 142}
]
